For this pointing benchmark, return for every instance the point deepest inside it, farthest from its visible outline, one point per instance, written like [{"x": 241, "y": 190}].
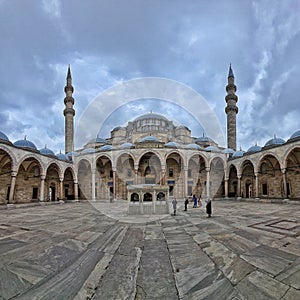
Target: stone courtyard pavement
[{"x": 72, "y": 251}]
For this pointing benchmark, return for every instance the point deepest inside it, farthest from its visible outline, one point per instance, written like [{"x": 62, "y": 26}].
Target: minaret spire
[
  {"x": 231, "y": 110},
  {"x": 69, "y": 113}
]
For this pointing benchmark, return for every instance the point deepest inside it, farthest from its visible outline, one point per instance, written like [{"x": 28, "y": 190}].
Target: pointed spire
[
  {"x": 69, "y": 73},
  {"x": 230, "y": 73},
  {"x": 25, "y": 137}
]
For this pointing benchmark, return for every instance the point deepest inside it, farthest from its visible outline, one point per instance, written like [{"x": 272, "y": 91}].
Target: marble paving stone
[
  {"x": 292, "y": 294},
  {"x": 291, "y": 275},
  {"x": 155, "y": 277},
  {"x": 261, "y": 286},
  {"x": 269, "y": 259},
  {"x": 11, "y": 284},
  {"x": 9, "y": 244}
]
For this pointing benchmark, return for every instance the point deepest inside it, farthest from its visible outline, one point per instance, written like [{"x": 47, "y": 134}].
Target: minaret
[
  {"x": 69, "y": 114},
  {"x": 231, "y": 110}
]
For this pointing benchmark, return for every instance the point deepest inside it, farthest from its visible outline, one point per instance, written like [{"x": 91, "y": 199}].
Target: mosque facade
[{"x": 150, "y": 151}]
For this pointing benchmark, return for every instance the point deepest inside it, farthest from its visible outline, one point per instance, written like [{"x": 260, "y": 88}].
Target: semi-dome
[
  {"x": 274, "y": 142},
  {"x": 149, "y": 138},
  {"x": 25, "y": 144},
  {"x": 150, "y": 116},
  {"x": 228, "y": 151},
  {"x": 46, "y": 151},
  {"x": 62, "y": 156},
  {"x": 119, "y": 128},
  {"x": 239, "y": 153},
  {"x": 182, "y": 127},
  {"x": 295, "y": 135},
  {"x": 106, "y": 148},
  {"x": 3, "y": 137},
  {"x": 254, "y": 149},
  {"x": 212, "y": 148},
  {"x": 127, "y": 146},
  {"x": 171, "y": 145},
  {"x": 193, "y": 146},
  {"x": 88, "y": 150}
]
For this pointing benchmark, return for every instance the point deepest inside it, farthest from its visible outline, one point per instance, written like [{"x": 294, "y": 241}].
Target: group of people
[{"x": 197, "y": 203}]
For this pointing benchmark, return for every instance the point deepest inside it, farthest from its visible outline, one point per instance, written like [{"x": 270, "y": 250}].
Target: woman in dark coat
[{"x": 208, "y": 208}]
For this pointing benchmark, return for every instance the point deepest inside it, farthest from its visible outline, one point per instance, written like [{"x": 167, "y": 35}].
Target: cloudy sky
[{"x": 108, "y": 42}]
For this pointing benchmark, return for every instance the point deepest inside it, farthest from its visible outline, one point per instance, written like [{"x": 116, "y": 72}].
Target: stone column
[
  {"x": 114, "y": 184},
  {"x": 61, "y": 181},
  {"x": 239, "y": 186},
  {"x": 285, "y": 195},
  {"x": 185, "y": 181},
  {"x": 226, "y": 187},
  {"x": 12, "y": 187},
  {"x": 256, "y": 185},
  {"x": 163, "y": 176},
  {"x": 136, "y": 168},
  {"x": 76, "y": 190},
  {"x": 93, "y": 185},
  {"x": 207, "y": 183},
  {"x": 42, "y": 188}
]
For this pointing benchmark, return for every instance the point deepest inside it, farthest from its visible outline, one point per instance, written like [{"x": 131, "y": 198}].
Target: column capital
[
  {"x": 43, "y": 177},
  {"x": 239, "y": 176},
  {"x": 61, "y": 178},
  {"x": 207, "y": 169},
  {"x": 283, "y": 170},
  {"x": 14, "y": 173}
]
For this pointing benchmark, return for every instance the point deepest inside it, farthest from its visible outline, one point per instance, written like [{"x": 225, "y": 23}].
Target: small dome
[
  {"x": 228, "y": 151},
  {"x": 239, "y": 153},
  {"x": 193, "y": 146},
  {"x": 182, "y": 127},
  {"x": 127, "y": 146},
  {"x": 46, "y": 151},
  {"x": 212, "y": 148},
  {"x": 100, "y": 140},
  {"x": 171, "y": 145},
  {"x": 150, "y": 116},
  {"x": 62, "y": 156},
  {"x": 3, "y": 137},
  {"x": 274, "y": 142},
  {"x": 106, "y": 148},
  {"x": 25, "y": 144},
  {"x": 149, "y": 138},
  {"x": 88, "y": 150},
  {"x": 203, "y": 139},
  {"x": 72, "y": 153},
  {"x": 254, "y": 149},
  {"x": 295, "y": 135}
]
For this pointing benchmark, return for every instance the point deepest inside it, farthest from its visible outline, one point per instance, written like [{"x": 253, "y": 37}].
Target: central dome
[{"x": 150, "y": 116}]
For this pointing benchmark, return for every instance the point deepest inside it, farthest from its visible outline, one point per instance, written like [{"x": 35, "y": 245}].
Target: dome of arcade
[
  {"x": 127, "y": 146},
  {"x": 212, "y": 149},
  {"x": 46, "y": 151},
  {"x": 25, "y": 144},
  {"x": 239, "y": 153},
  {"x": 193, "y": 146},
  {"x": 274, "y": 142},
  {"x": 171, "y": 145},
  {"x": 254, "y": 149},
  {"x": 62, "y": 156},
  {"x": 3, "y": 137},
  {"x": 295, "y": 135},
  {"x": 88, "y": 150},
  {"x": 228, "y": 151},
  {"x": 106, "y": 148}
]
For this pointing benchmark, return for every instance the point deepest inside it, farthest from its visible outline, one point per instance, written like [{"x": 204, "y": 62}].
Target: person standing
[
  {"x": 199, "y": 201},
  {"x": 174, "y": 203},
  {"x": 186, "y": 202},
  {"x": 195, "y": 201},
  {"x": 208, "y": 208}
]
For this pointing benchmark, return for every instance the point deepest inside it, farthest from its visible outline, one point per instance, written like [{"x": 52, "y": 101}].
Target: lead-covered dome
[
  {"x": 106, "y": 148},
  {"x": 62, "y": 156},
  {"x": 274, "y": 142},
  {"x": 295, "y": 135},
  {"x": 88, "y": 150},
  {"x": 171, "y": 145},
  {"x": 203, "y": 139},
  {"x": 150, "y": 116},
  {"x": 254, "y": 149},
  {"x": 100, "y": 140},
  {"x": 127, "y": 146},
  {"x": 212, "y": 149},
  {"x": 228, "y": 151},
  {"x": 47, "y": 151},
  {"x": 239, "y": 153},
  {"x": 192, "y": 146},
  {"x": 25, "y": 144},
  {"x": 149, "y": 138},
  {"x": 3, "y": 137}
]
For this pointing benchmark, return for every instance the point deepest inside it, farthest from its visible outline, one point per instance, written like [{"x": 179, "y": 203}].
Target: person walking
[
  {"x": 186, "y": 202},
  {"x": 199, "y": 201},
  {"x": 174, "y": 203},
  {"x": 208, "y": 207}
]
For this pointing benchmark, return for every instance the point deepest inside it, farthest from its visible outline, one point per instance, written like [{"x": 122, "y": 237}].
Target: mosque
[{"x": 150, "y": 151}]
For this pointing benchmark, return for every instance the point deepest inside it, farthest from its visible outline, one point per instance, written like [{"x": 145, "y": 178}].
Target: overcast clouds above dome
[{"x": 107, "y": 42}]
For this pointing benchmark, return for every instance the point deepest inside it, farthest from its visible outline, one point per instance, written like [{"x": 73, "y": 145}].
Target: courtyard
[{"x": 246, "y": 250}]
